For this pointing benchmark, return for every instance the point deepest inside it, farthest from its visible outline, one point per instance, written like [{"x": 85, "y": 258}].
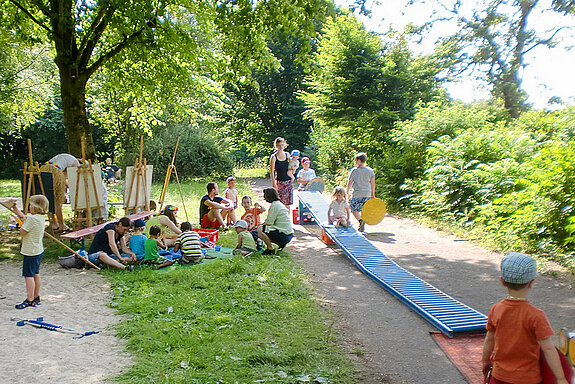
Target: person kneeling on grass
[
  {"x": 246, "y": 242},
  {"x": 277, "y": 227},
  {"x": 104, "y": 247}
]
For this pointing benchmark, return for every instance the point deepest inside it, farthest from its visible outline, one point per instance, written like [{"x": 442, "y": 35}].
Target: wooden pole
[
  {"x": 71, "y": 250},
  {"x": 168, "y": 174}
]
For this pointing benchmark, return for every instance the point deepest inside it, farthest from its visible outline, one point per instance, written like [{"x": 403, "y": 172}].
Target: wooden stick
[
  {"x": 181, "y": 194},
  {"x": 169, "y": 172},
  {"x": 71, "y": 250}
]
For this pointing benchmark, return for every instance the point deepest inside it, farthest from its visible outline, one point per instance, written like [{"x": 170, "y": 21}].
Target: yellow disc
[
  {"x": 315, "y": 184},
  {"x": 563, "y": 341},
  {"x": 572, "y": 350},
  {"x": 373, "y": 211}
]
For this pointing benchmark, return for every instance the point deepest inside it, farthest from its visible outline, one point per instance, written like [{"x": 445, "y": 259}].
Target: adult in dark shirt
[
  {"x": 279, "y": 164},
  {"x": 214, "y": 208},
  {"x": 104, "y": 248}
]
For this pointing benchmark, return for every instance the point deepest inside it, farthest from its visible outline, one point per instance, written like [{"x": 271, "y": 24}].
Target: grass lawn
[{"x": 230, "y": 320}]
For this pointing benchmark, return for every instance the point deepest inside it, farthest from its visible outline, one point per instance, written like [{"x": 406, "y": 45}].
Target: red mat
[{"x": 464, "y": 351}]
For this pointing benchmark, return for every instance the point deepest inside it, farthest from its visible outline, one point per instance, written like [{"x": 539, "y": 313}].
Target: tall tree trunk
[{"x": 73, "y": 92}]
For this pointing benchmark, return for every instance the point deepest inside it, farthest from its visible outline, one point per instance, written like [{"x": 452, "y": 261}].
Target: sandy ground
[
  {"x": 70, "y": 298},
  {"x": 387, "y": 341}
]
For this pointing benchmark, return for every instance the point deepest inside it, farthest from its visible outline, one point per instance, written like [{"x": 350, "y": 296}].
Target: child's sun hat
[
  {"x": 241, "y": 224},
  {"x": 295, "y": 152},
  {"x": 139, "y": 223},
  {"x": 305, "y": 160},
  {"x": 518, "y": 268}
]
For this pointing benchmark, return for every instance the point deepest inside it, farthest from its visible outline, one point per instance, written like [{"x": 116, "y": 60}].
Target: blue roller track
[{"x": 441, "y": 310}]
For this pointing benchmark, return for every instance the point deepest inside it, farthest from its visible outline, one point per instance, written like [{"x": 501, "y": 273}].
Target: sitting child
[
  {"x": 339, "y": 211},
  {"x": 138, "y": 239},
  {"x": 152, "y": 244},
  {"x": 305, "y": 175},
  {"x": 246, "y": 243},
  {"x": 293, "y": 164},
  {"x": 252, "y": 215},
  {"x": 189, "y": 243}
]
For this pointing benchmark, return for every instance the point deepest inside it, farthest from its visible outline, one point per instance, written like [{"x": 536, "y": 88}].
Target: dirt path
[{"x": 390, "y": 343}]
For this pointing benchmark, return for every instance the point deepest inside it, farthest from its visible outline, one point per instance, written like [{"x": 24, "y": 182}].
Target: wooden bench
[{"x": 77, "y": 237}]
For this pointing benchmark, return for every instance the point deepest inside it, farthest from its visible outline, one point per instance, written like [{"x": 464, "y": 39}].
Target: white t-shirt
[
  {"x": 32, "y": 241},
  {"x": 64, "y": 160},
  {"x": 339, "y": 208}
]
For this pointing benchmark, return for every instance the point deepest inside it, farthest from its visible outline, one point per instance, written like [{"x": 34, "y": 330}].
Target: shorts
[
  {"x": 207, "y": 223},
  {"x": 356, "y": 203},
  {"x": 31, "y": 265},
  {"x": 280, "y": 238},
  {"x": 191, "y": 259},
  {"x": 285, "y": 192},
  {"x": 254, "y": 234}
]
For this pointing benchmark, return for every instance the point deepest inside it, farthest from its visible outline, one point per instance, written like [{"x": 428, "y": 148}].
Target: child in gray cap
[{"x": 517, "y": 332}]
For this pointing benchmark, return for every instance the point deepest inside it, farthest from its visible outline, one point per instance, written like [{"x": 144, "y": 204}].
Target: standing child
[
  {"x": 152, "y": 244},
  {"x": 246, "y": 242},
  {"x": 138, "y": 239},
  {"x": 231, "y": 193},
  {"x": 362, "y": 179},
  {"x": 32, "y": 232},
  {"x": 517, "y": 332},
  {"x": 306, "y": 174},
  {"x": 339, "y": 211},
  {"x": 252, "y": 214},
  {"x": 293, "y": 164}
]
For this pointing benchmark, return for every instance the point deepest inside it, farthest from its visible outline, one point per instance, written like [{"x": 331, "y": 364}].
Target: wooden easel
[
  {"x": 140, "y": 178},
  {"x": 86, "y": 173},
  {"x": 172, "y": 169},
  {"x": 29, "y": 172}
]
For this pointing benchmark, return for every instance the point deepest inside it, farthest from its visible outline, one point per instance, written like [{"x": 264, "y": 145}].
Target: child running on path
[
  {"x": 32, "y": 232},
  {"x": 517, "y": 332}
]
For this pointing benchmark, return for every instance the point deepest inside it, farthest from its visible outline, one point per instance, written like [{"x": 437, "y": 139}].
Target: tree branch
[
  {"x": 31, "y": 16},
  {"x": 113, "y": 52},
  {"x": 95, "y": 31}
]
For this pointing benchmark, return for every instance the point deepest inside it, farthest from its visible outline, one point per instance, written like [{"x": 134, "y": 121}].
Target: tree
[
  {"x": 360, "y": 88},
  {"x": 495, "y": 36},
  {"x": 88, "y": 35}
]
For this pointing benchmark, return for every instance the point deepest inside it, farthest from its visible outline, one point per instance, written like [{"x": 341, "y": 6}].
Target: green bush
[{"x": 198, "y": 154}]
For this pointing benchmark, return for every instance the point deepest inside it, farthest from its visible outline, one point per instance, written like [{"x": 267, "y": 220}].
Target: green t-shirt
[
  {"x": 151, "y": 249},
  {"x": 248, "y": 240}
]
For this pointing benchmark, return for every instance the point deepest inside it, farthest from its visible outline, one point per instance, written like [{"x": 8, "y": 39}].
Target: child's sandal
[
  {"x": 25, "y": 304},
  {"x": 36, "y": 301}
]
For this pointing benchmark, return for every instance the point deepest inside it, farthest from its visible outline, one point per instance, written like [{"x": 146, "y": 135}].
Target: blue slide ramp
[{"x": 441, "y": 310}]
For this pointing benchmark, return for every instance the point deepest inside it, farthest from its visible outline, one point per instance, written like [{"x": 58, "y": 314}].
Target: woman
[
  {"x": 166, "y": 220},
  {"x": 281, "y": 180},
  {"x": 277, "y": 227}
]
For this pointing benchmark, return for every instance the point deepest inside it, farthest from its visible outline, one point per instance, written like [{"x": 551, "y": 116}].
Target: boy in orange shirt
[{"x": 517, "y": 332}]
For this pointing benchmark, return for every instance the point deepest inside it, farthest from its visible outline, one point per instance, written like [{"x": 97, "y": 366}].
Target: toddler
[
  {"x": 518, "y": 332},
  {"x": 152, "y": 244},
  {"x": 339, "y": 211},
  {"x": 138, "y": 239},
  {"x": 252, "y": 214},
  {"x": 293, "y": 164},
  {"x": 306, "y": 174},
  {"x": 32, "y": 232},
  {"x": 231, "y": 193},
  {"x": 246, "y": 242}
]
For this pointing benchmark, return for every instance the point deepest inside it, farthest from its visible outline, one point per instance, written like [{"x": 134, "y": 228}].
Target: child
[
  {"x": 152, "y": 244},
  {"x": 231, "y": 193},
  {"x": 252, "y": 214},
  {"x": 306, "y": 174},
  {"x": 517, "y": 332},
  {"x": 32, "y": 232},
  {"x": 293, "y": 164},
  {"x": 138, "y": 239},
  {"x": 362, "y": 179},
  {"x": 189, "y": 243},
  {"x": 339, "y": 208},
  {"x": 246, "y": 243}
]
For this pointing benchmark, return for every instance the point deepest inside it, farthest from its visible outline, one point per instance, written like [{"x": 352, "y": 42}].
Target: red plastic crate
[{"x": 211, "y": 234}]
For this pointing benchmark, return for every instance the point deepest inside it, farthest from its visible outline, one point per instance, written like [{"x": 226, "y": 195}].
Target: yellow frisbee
[{"x": 373, "y": 211}]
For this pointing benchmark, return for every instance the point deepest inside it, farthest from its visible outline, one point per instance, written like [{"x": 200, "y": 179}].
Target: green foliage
[
  {"x": 234, "y": 320},
  {"x": 197, "y": 155}
]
